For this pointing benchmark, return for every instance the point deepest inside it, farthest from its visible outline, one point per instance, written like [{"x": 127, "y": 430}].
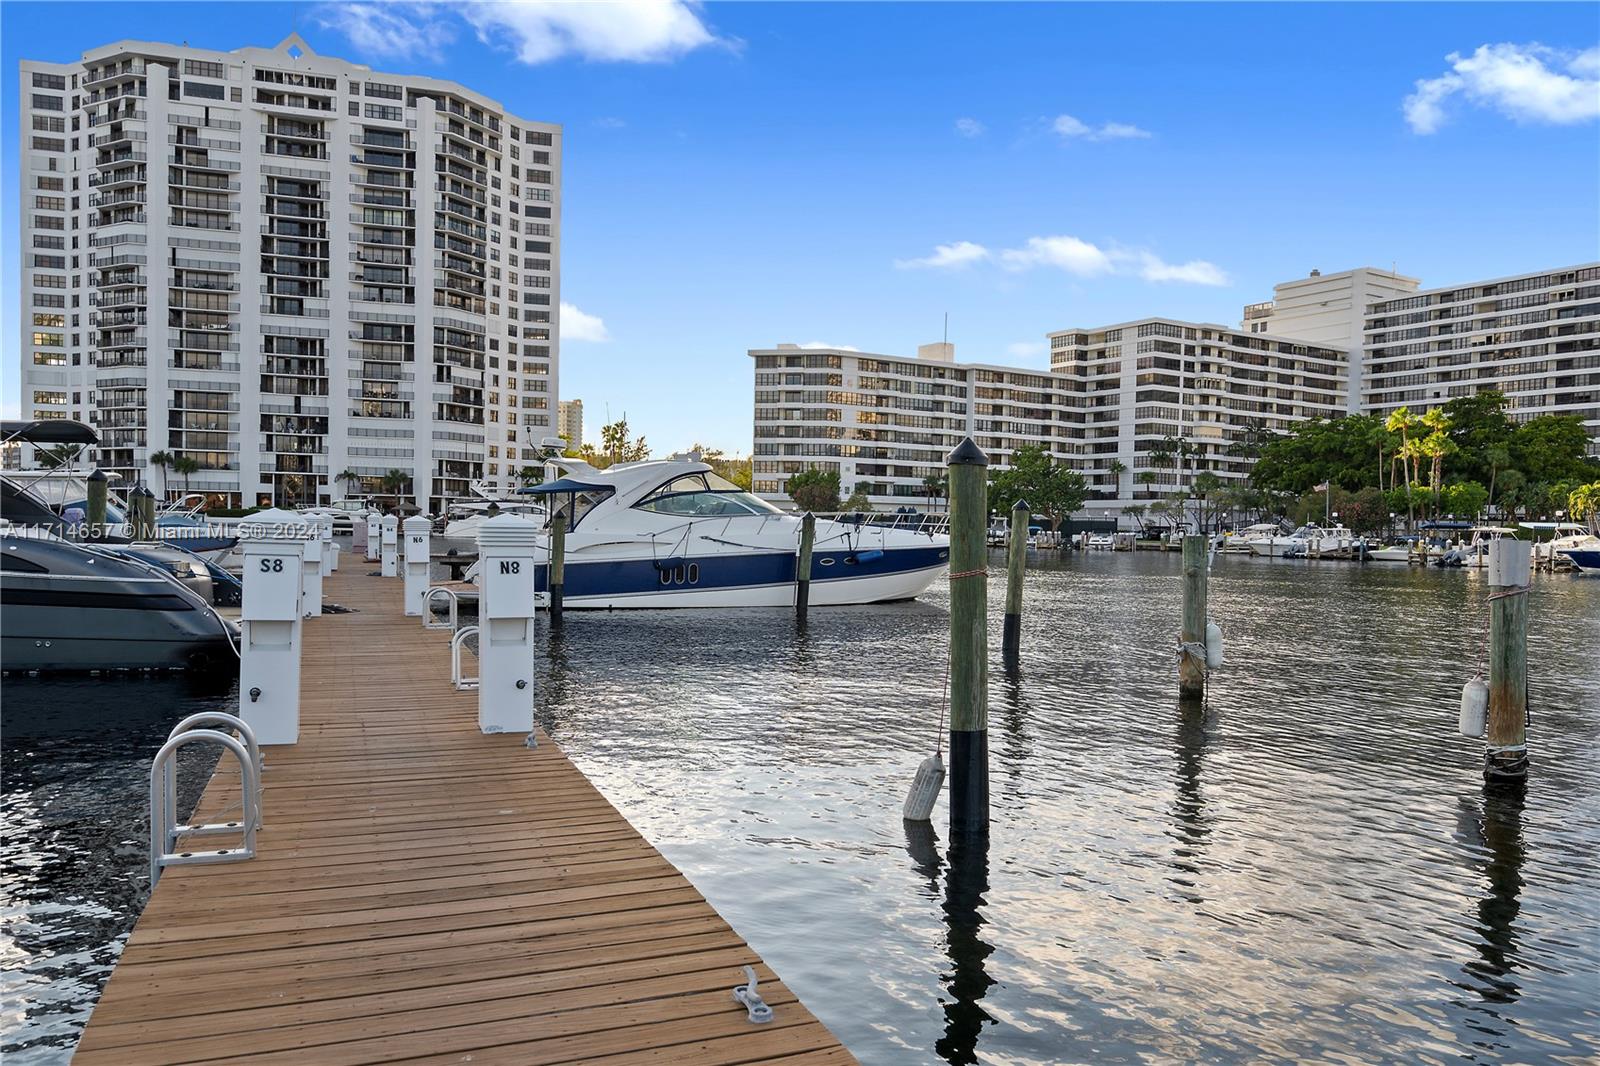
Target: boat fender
[
  {"x": 1474, "y": 718},
  {"x": 925, "y": 789},
  {"x": 869, "y": 555},
  {"x": 1213, "y": 646}
]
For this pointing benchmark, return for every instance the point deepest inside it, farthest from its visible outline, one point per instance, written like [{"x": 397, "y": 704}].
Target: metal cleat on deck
[{"x": 750, "y": 999}]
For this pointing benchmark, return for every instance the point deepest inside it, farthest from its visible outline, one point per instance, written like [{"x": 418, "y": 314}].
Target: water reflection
[
  {"x": 1500, "y": 834},
  {"x": 1190, "y": 823},
  {"x": 966, "y": 980}
]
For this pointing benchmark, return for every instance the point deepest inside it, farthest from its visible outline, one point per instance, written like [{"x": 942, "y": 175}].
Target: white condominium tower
[
  {"x": 287, "y": 268},
  {"x": 1533, "y": 337}
]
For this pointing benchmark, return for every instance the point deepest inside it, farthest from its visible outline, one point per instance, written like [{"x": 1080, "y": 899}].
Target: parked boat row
[{"x": 71, "y": 603}]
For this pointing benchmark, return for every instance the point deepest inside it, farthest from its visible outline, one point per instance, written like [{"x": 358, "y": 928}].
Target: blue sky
[{"x": 739, "y": 175}]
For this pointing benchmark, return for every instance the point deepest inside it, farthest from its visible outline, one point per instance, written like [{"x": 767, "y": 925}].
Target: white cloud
[
  {"x": 399, "y": 30},
  {"x": 1069, "y": 128},
  {"x": 1075, "y": 256},
  {"x": 1026, "y": 349},
  {"x": 537, "y": 31},
  {"x": 969, "y": 127},
  {"x": 1194, "y": 272},
  {"x": 833, "y": 347},
  {"x": 614, "y": 31},
  {"x": 577, "y": 325},
  {"x": 1071, "y": 254},
  {"x": 947, "y": 256},
  {"x": 611, "y": 122},
  {"x": 1523, "y": 82}
]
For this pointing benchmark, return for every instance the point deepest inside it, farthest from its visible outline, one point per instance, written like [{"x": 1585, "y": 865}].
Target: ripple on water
[{"x": 1309, "y": 870}]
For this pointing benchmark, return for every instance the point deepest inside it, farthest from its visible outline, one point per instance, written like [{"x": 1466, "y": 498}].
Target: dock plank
[{"x": 422, "y": 892}]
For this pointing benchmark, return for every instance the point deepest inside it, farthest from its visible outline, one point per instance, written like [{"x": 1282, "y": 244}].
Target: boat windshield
[{"x": 704, "y": 496}]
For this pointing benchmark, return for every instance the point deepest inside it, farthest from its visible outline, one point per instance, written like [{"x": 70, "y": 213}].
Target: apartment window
[
  {"x": 202, "y": 90},
  {"x": 49, "y": 123},
  {"x": 49, "y": 320},
  {"x": 202, "y": 69},
  {"x": 383, "y": 91},
  {"x": 49, "y": 144},
  {"x": 383, "y": 112},
  {"x": 49, "y": 340},
  {"x": 47, "y": 103},
  {"x": 49, "y": 81},
  {"x": 49, "y": 397},
  {"x": 49, "y": 359}
]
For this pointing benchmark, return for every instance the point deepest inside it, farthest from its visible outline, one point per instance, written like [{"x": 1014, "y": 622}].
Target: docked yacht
[
  {"x": 462, "y": 519},
  {"x": 66, "y": 606},
  {"x": 1307, "y": 540},
  {"x": 671, "y": 533},
  {"x": 1237, "y": 542}
]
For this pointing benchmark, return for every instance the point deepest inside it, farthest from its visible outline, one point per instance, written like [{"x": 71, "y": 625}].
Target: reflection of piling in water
[
  {"x": 1188, "y": 806},
  {"x": 1501, "y": 829},
  {"x": 1016, "y": 563},
  {"x": 1014, "y": 717},
  {"x": 969, "y": 639},
  {"x": 966, "y": 881}
]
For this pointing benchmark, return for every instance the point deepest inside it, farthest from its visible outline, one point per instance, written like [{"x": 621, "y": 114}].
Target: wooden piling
[
  {"x": 558, "y": 565},
  {"x": 969, "y": 639},
  {"x": 95, "y": 508},
  {"x": 1016, "y": 564},
  {"x": 802, "y": 564},
  {"x": 1508, "y": 575},
  {"x": 142, "y": 513},
  {"x": 1192, "y": 662}
]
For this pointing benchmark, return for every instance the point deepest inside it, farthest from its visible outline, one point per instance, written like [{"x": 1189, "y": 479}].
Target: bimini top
[{"x": 48, "y": 431}]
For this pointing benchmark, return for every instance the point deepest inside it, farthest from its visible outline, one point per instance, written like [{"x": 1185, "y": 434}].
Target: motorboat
[
  {"x": 1586, "y": 559},
  {"x": 1307, "y": 540},
  {"x": 672, "y": 533},
  {"x": 1102, "y": 542},
  {"x": 1392, "y": 553},
  {"x": 1237, "y": 542},
  {"x": 70, "y": 607},
  {"x": 462, "y": 519}
]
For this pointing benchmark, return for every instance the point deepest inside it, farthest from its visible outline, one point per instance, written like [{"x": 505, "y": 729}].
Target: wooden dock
[{"x": 425, "y": 893}]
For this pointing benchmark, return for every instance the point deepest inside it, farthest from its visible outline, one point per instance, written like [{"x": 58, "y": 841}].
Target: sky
[{"x": 742, "y": 175}]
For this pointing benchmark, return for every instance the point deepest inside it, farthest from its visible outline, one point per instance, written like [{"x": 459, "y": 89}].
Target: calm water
[{"x": 1310, "y": 869}]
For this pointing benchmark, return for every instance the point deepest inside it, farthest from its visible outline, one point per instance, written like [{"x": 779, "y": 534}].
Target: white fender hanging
[
  {"x": 925, "y": 789},
  {"x": 1213, "y": 646},
  {"x": 1474, "y": 720}
]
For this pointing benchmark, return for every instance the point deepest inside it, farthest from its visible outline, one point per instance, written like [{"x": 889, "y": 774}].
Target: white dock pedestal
[
  {"x": 274, "y": 545},
  {"x": 417, "y": 562},
  {"x": 358, "y": 532},
  {"x": 391, "y": 546},
  {"x": 311, "y": 582},
  {"x": 505, "y": 624},
  {"x": 374, "y": 535}
]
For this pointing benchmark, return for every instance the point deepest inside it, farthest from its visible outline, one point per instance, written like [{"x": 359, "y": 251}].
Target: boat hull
[
  {"x": 1586, "y": 560},
  {"x": 764, "y": 579}
]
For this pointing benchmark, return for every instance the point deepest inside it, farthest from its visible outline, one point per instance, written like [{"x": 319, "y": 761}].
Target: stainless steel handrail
[
  {"x": 427, "y": 608},
  {"x": 163, "y": 825},
  {"x": 461, "y": 683},
  {"x": 248, "y": 735}
]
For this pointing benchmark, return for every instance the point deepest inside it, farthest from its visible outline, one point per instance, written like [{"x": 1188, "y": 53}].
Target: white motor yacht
[
  {"x": 671, "y": 533},
  {"x": 1237, "y": 542},
  {"x": 1307, "y": 540}
]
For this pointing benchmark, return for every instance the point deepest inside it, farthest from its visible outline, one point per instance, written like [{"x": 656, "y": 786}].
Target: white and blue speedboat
[{"x": 671, "y": 533}]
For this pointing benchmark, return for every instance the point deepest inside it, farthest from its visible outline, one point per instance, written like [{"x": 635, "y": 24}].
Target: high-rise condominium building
[
  {"x": 1142, "y": 408},
  {"x": 295, "y": 271},
  {"x": 569, "y": 423},
  {"x": 1534, "y": 337},
  {"x": 885, "y": 423}
]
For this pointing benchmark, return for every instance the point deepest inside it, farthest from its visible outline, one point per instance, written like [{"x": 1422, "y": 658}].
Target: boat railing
[{"x": 931, "y": 524}]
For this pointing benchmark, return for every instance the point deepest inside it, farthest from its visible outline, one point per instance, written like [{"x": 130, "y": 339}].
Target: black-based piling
[
  {"x": 1016, "y": 565},
  {"x": 969, "y": 639}
]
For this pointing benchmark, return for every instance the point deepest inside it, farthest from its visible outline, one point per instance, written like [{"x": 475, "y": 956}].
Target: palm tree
[
  {"x": 1402, "y": 421},
  {"x": 530, "y": 475},
  {"x": 61, "y": 455},
  {"x": 394, "y": 483},
  {"x": 1583, "y": 504},
  {"x": 1116, "y": 470},
  {"x": 184, "y": 465},
  {"x": 164, "y": 461},
  {"x": 935, "y": 485},
  {"x": 347, "y": 478},
  {"x": 1498, "y": 455}
]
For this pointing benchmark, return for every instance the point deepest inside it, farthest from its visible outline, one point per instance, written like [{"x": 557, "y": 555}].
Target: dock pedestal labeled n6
[
  {"x": 1016, "y": 566},
  {"x": 418, "y": 561},
  {"x": 1191, "y": 654},
  {"x": 969, "y": 639},
  {"x": 1509, "y": 571},
  {"x": 373, "y": 542}
]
